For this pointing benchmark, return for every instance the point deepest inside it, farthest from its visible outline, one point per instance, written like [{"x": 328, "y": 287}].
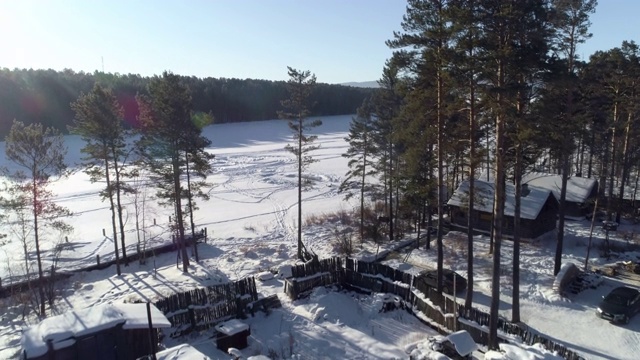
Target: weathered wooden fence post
[
  {"x": 152, "y": 343},
  {"x": 192, "y": 317}
]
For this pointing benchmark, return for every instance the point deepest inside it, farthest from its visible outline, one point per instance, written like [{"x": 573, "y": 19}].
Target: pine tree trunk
[
  {"x": 390, "y": 190},
  {"x": 603, "y": 171},
  {"x": 591, "y": 148},
  {"x": 625, "y": 167},
  {"x": 190, "y": 199},
  {"x": 612, "y": 173},
  {"x": 113, "y": 215},
  {"x": 470, "y": 220},
  {"x": 34, "y": 191},
  {"x": 178, "y": 190},
  {"x": 301, "y": 254},
  {"x": 561, "y": 214},
  {"x": 440, "y": 140},
  {"x": 119, "y": 207},
  {"x": 515, "y": 306},
  {"x": 498, "y": 213},
  {"x": 362, "y": 185}
]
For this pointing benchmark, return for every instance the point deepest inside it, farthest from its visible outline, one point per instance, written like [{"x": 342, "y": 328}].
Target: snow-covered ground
[{"x": 251, "y": 222}]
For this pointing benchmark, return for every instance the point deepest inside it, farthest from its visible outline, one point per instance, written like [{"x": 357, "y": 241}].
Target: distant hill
[{"x": 362, "y": 84}]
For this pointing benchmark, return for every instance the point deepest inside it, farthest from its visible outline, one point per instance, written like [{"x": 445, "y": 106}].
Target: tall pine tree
[
  {"x": 296, "y": 112},
  {"x": 167, "y": 134},
  {"x": 40, "y": 153},
  {"x": 98, "y": 121},
  {"x": 427, "y": 29},
  {"x": 571, "y": 23},
  {"x": 359, "y": 153}
]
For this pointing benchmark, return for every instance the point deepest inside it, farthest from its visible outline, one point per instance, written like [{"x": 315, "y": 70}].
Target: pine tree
[
  {"x": 296, "y": 112},
  {"x": 40, "y": 152},
  {"x": 427, "y": 28},
  {"x": 98, "y": 121},
  {"x": 507, "y": 26},
  {"x": 359, "y": 154},
  {"x": 197, "y": 163},
  {"x": 168, "y": 133},
  {"x": 571, "y": 23},
  {"x": 386, "y": 103},
  {"x": 631, "y": 53},
  {"x": 467, "y": 33},
  {"x": 416, "y": 135}
]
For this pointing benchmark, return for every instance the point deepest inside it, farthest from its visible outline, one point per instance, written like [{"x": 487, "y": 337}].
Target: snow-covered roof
[
  {"x": 61, "y": 330},
  {"x": 530, "y": 205},
  {"x": 231, "y": 327},
  {"x": 578, "y": 188},
  {"x": 181, "y": 352},
  {"x": 463, "y": 342},
  {"x": 136, "y": 315}
]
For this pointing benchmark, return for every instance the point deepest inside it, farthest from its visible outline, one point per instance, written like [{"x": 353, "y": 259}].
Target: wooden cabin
[{"x": 538, "y": 213}]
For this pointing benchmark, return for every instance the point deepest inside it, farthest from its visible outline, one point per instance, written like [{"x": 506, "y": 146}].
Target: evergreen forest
[{"x": 44, "y": 96}]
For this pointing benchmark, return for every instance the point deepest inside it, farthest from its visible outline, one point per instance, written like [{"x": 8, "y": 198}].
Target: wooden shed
[
  {"x": 232, "y": 333},
  {"x": 102, "y": 332},
  {"x": 538, "y": 213}
]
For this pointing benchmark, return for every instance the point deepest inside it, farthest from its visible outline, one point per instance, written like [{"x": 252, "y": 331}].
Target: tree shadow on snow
[
  {"x": 480, "y": 298},
  {"x": 584, "y": 350}
]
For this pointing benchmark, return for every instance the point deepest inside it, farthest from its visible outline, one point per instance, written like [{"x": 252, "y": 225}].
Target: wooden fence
[
  {"x": 375, "y": 268},
  {"x": 14, "y": 287},
  {"x": 205, "y": 307},
  {"x": 441, "y": 312},
  {"x": 329, "y": 265},
  {"x": 296, "y": 288}
]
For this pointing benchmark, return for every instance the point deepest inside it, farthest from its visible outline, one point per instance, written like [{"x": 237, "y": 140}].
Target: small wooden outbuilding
[
  {"x": 538, "y": 210},
  {"x": 102, "y": 332},
  {"x": 232, "y": 334}
]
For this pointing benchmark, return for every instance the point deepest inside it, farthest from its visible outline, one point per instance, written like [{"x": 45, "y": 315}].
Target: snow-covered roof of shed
[
  {"x": 530, "y": 205},
  {"x": 578, "y": 188},
  {"x": 62, "y": 329},
  {"x": 463, "y": 342},
  {"x": 231, "y": 327},
  {"x": 181, "y": 352},
  {"x": 136, "y": 315}
]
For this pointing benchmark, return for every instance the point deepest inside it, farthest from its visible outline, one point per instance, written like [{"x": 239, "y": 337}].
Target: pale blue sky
[{"x": 338, "y": 40}]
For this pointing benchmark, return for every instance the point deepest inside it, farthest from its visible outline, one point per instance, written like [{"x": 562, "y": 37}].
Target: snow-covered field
[{"x": 251, "y": 221}]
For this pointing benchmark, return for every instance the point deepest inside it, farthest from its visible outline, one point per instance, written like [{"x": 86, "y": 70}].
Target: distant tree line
[{"x": 44, "y": 97}]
